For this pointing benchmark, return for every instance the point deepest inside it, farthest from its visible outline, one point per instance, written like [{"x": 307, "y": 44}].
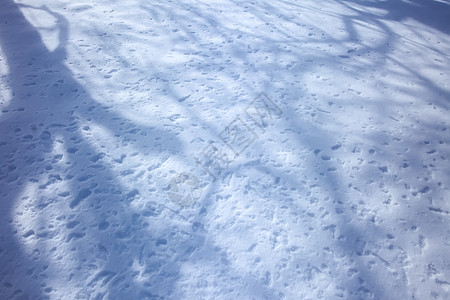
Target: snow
[{"x": 224, "y": 149}]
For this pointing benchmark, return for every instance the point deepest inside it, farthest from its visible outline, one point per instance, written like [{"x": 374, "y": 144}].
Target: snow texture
[{"x": 225, "y": 149}]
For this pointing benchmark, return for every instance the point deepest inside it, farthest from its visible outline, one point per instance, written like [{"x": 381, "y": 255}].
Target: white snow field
[{"x": 225, "y": 149}]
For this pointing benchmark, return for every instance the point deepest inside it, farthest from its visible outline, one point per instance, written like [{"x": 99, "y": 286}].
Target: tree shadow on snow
[
  {"x": 46, "y": 151},
  {"x": 52, "y": 174}
]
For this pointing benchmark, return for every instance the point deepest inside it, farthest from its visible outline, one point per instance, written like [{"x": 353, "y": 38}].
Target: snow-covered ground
[{"x": 225, "y": 149}]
